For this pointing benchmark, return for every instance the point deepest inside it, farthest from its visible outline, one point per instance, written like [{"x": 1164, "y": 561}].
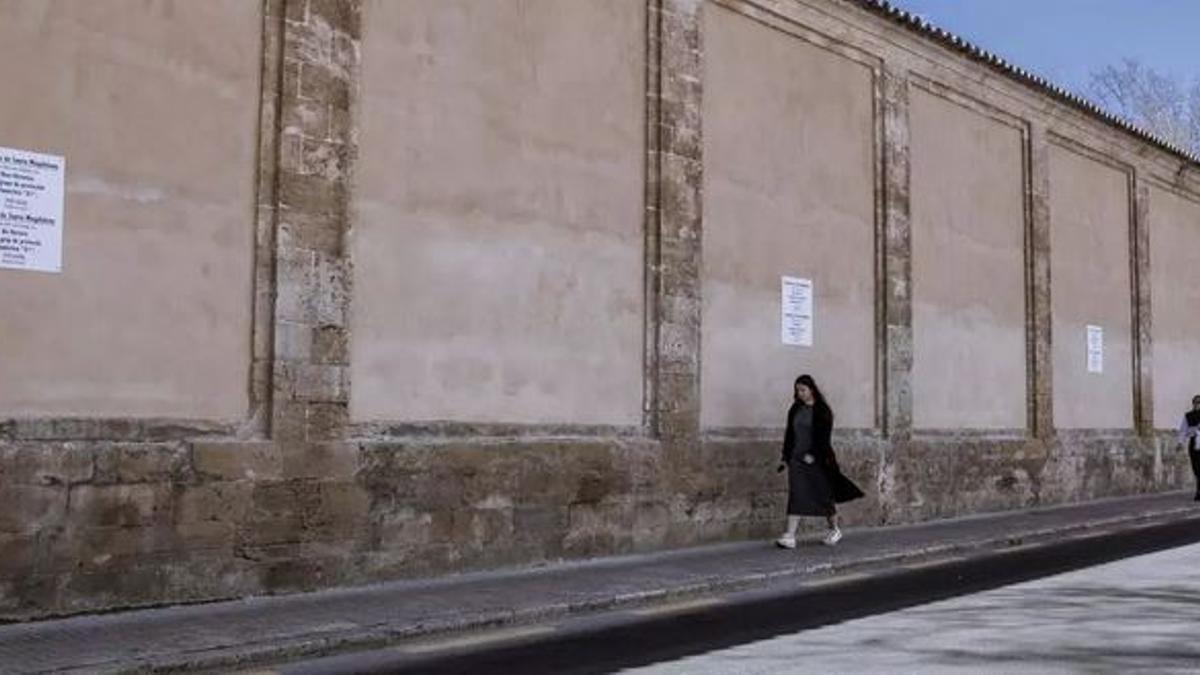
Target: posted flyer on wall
[{"x": 31, "y": 210}]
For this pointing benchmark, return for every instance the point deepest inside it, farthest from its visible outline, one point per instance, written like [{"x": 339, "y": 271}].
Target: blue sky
[{"x": 1064, "y": 40}]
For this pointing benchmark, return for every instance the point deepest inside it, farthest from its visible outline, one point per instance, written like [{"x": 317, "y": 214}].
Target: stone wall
[{"x": 321, "y": 483}]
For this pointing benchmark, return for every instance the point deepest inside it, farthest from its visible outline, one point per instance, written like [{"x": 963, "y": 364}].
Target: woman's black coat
[{"x": 844, "y": 489}]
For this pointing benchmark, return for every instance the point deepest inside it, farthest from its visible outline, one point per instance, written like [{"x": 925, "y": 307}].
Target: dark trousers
[{"x": 1195, "y": 457}]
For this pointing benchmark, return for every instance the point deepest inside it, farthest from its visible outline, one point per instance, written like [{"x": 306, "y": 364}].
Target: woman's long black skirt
[{"x": 810, "y": 489}]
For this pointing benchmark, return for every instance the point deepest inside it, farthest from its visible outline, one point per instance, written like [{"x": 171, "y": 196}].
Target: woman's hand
[{"x": 809, "y": 459}]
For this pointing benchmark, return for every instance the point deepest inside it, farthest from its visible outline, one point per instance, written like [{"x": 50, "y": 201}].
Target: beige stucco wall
[
  {"x": 1089, "y": 271},
  {"x": 968, "y": 234},
  {"x": 788, "y": 190},
  {"x": 1175, "y": 303},
  {"x": 157, "y": 120},
  {"x": 498, "y": 250}
]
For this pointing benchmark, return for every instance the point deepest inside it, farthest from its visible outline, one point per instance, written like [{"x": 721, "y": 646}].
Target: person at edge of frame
[
  {"x": 815, "y": 481},
  {"x": 1189, "y": 436}
]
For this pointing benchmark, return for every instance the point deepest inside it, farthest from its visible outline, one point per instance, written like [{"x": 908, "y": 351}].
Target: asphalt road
[
  {"x": 1137, "y": 615},
  {"x": 625, "y": 640}
]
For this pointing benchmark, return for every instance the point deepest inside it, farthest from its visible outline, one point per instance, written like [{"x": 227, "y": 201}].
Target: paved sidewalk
[{"x": 227, "y": 634}]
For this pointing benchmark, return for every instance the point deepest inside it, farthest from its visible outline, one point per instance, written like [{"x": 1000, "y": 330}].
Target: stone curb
[{"x": 383, "y": 635}]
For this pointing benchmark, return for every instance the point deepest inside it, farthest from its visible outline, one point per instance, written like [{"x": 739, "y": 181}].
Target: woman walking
[
  {"x": 1189, "y": 435},
  {"x": 815, "y": 482}
]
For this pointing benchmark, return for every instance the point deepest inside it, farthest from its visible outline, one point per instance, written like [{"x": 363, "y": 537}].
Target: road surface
[{"x": 1141, "y": 614}]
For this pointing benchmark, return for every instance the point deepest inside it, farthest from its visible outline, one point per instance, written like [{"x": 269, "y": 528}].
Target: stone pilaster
[
  {"x": 1143, "y": 345},
  {"x": 1040, "y": 346},
  {"x": 317, "y": 149},
  {"x": 674, "y": 225},
  {"x": 898, "y": 402},
  {"x": 261, "y": 365}
]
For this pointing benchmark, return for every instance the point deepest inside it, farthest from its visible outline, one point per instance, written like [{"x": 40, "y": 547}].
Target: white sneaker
[
  {"x": 834, "y": 536},
  {"x": 786, "y": 541}
]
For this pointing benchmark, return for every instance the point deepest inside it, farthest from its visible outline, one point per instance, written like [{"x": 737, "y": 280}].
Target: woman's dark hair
[
  {"x": 819, "y": 401},
  {"x": 1196, "y": 399}
]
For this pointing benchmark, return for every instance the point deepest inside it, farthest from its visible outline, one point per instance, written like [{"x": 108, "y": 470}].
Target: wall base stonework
[{"x": 89, "y": 526}]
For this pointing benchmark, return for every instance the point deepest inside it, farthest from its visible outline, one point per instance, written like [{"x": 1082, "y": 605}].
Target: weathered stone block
[
  {"x": 600, "y": 527},
  {"x": 141, "y": 463},
  {"x": 679, "y": 347},
  {"x": 240, "y": 460},
  {"x": 224, "y": 502},
  {"x": 45, "y": 463},
  {"x": 290, "y": 90},
  {"x": 324, "y": 84},
  {"x": 333, "y": 290},
  {"x": 289, "y": 419},
  {"x": 594, "y": 487},
  {"x": 346, "y": 54},
  {"x": 318, "y": 232},
  {"x": 680, "y": 139},
  {"x": 84, "y": 547},
  {"x": 29, "y": 508},
  {"x": 342, "y": 126},
  {"x": 120, "y": 505},
  {"x": 295, "y": 279},
  {"x": 329, "y": 461},
  {"x": 297, "y": 10},
  {"x": 18, "y": 553},
  {"x": 204, "y": 536},
  {"x": 679, "y": 114},
  {"x": 316, "y": 382},
  {"x": 320, "y": 157},
  {"x": 682, "y": 180},
  {"x": 308, "y": 119},
  {"x": 29, "y": 597},
  {"x": 343, "y": 15},
  {"x": 450, "y": 526},
  {"x": 331, "y": 346},
  {"x": 542, "y": 525},
  {"x": 309, "y": 43},
  {"x": 311, "y": 194},
  {"x": 294, "y": 575},
  {"x": 327, "y": 421},
  {"x": 341, "y": 513},
  {"x": 293, "y": 341},
  {"x": 285, "y": 498},
  {"x": 126, "y": 586},
  {"x": 263, "y": 530},
  {"x": 403, "y": 529}
]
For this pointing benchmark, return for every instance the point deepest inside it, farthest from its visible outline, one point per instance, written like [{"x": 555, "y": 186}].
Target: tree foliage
[{"x": 1166, "y": 107}]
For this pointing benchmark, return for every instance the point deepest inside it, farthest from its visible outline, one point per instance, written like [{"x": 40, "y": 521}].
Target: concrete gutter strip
[{"x": 322, "y": 636}]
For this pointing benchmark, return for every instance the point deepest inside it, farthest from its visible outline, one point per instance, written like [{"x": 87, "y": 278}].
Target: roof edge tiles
[{"x": 956, "y": 43}]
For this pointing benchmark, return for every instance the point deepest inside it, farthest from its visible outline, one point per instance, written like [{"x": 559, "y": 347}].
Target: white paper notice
[
  {"x": 1095, "y": 349},
  {"x": 797, "y": 312},
  {"x": 31, "y": 210}
]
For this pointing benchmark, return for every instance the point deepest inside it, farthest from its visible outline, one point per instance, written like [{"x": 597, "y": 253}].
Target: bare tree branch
[{"x": 1164, "y": 106}]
